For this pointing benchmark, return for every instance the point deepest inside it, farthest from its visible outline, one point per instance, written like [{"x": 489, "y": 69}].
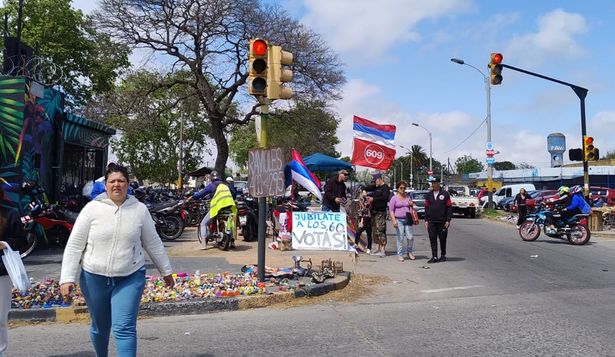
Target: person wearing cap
[
  {"x": 379, "y": 200},
  {"x": 335, "y": 192},
  {"x": 438, "y": 214},
  {"x": 231, "y": 186}
]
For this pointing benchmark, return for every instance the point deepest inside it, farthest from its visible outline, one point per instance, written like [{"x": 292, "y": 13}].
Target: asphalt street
[{"x": 495, "y": 296}]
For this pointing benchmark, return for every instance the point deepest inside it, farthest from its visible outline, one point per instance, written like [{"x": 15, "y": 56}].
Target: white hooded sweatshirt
[{"x": 109, "y": 240}]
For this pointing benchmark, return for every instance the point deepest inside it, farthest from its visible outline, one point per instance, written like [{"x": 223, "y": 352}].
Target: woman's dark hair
[
  {"x": 117, "y": 168},
  {"x": 402, "y": 183}
]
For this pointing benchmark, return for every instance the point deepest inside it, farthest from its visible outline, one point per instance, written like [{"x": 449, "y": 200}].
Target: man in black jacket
[
  {"x": 335, "y": 192},
  {"x": 438, "y": 214},
  {"x": 379, "y": 199}
]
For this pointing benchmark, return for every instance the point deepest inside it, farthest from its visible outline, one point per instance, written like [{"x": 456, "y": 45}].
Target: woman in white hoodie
[{"x": 109, "y": 238}]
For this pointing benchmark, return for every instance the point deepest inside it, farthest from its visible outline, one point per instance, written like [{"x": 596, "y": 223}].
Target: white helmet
[{"x": 229, "y": 179}]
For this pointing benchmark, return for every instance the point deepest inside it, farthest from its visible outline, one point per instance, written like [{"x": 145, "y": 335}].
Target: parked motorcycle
[
  {"x": 169, "y": 219},
  {"x": 573, "y": 229},
  {"x": 51, "y": 223},
  {"x": 247, "y": 212}
]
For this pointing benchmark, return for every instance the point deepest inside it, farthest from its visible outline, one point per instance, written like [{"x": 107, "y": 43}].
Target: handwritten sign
[
  {"x": 266, "y": 172},
  {"x": 319, "y": 231}
]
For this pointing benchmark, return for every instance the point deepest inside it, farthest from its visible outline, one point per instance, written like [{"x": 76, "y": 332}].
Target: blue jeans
[
  {"x": 113, "y": 303},
  {"x": 404, "y": 232}
]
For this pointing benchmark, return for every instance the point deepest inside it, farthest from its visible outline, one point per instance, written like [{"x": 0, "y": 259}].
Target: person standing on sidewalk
[
  {"x": 107, "y": 241},
  {"x": 335, "y": 192},
  {"x": 399, "y": 209},
  {"x": 12, "y": 235},
  {"x": 438, "y": 214},
  {"x": 379, "y": 199},
  {"x": 365, "y": 220}
]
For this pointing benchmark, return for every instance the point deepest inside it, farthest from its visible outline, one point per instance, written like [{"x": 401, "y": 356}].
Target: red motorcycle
[{"x": 49, "y": 223}]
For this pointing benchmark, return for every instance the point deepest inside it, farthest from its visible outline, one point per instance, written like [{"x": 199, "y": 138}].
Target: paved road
[{"x": 495, "y": 296}]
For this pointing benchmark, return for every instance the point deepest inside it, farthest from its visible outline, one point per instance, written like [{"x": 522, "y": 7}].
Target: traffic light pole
[
  {"x": 582, "y": 94},
  {"x": 262, "y": 201}
]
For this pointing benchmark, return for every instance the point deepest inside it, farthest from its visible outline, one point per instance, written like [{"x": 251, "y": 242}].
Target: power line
[{"x": 466, "y": 139}]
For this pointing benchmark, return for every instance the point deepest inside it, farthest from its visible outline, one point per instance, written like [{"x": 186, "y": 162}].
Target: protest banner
[{"x": 319, "y": 231}]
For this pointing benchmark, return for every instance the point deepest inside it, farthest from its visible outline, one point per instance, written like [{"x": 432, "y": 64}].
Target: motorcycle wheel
[
  {"x": 529, "y": 231},
  {"x": 32, "y": 239},
  {"x": 173, "y": 229},
  {"x": 578, "y": 235},
  {"x": 225, "y": 241}
]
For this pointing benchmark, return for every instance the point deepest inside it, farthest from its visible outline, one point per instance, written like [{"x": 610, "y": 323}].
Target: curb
[{"x": 190, "y": 307}]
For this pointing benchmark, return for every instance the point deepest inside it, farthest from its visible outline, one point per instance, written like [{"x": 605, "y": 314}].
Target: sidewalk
[{"x": 186, "y": 257}]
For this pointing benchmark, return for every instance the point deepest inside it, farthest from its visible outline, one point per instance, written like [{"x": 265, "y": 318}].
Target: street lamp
[
  {"x": 488, "y": 91},
  {"x": 430, "y": 147}
]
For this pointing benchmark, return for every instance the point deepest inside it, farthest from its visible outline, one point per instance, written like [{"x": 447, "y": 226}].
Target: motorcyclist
[
  {"x": 577, "y": 204},
  {"x": 221, "y": 197}
]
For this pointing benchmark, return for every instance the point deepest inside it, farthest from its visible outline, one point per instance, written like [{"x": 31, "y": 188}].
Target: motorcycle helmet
[
  {"x": 229, "y": 179},
  {"x": 563, "y": 190},
  {"x": 134, "y": 185},
  {"x": 214, "y": 175}
]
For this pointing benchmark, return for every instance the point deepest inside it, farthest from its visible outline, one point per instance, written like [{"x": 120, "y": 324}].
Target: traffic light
[
  {"x": 277, "y": 75},
  {"x": 495, "y": 67},
  {"x": 590, "y": 151},
  {"x": 257, "y": 67},
  {"x": 575, "y": 154}
]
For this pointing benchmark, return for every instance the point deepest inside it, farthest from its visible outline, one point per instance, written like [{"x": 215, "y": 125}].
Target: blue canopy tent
[{"x": 326, "y": 164}]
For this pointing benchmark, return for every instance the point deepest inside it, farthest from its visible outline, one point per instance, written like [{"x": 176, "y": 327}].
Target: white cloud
[
  {"x": 87, "y": 6},
  {"x": 367, "y": 29},
  {"x": 555, "y": 37}
]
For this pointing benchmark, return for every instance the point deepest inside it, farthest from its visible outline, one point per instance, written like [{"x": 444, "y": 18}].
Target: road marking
[{"x": 451, "y": 289}]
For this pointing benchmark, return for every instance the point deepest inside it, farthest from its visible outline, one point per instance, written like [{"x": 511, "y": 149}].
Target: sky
[{"x": 397, "y": 64}]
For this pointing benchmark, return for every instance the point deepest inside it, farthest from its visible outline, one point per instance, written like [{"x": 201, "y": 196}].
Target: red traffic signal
[
  {"x": 258, "y": 65},
  {"x": 495, "y": 67},
  {"x": 259, "y": 47},
  {"x": 496, "y": 58}
]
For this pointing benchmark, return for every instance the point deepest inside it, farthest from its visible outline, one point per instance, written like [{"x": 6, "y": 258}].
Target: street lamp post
[
  {"x": 430, "y": 146},
  {"x": 488, "y": 120}
]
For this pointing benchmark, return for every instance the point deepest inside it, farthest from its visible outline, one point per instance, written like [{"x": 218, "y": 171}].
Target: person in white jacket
[{"x": 109, "y": 238}]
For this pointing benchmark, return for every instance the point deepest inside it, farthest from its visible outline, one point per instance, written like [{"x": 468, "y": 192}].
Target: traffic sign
[
  {"x": 429, "y": 173},
  {"x": 490, "y": 153},
  {"x": 490, "y": 160},
  {"x": 489, "y": 146}
]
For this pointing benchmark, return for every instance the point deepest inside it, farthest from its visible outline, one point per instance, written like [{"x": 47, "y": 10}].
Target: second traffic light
[
  {"x": 277, "y": 74},
  {"x": 495, "y": 67},
  {"x": 590, "y": 151}
]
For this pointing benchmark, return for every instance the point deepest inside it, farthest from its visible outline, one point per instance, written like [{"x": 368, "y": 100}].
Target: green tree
[
  {"x": 467, "y": 164},
  {"x": 209, "y": 39},
  {"x": 504, "y": 165},
  {"x": 150, "y": 127},
  {"x": 610, "y": 155},
  {"x": 87, "y": 62},
  {"x": 309, "y": 127}
]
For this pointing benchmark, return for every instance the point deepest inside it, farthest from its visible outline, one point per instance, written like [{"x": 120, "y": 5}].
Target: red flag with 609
[{"x": 373, "y": 144}]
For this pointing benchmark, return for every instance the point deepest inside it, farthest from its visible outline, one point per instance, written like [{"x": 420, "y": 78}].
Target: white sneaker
[{"x": 369, "y": 251}]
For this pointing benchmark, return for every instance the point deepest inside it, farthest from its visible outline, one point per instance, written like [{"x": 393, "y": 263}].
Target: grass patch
[{"x": 493, "y": 213}]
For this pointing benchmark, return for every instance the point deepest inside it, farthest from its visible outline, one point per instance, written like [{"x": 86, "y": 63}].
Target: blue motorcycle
[{"x": 574, "y": 229}]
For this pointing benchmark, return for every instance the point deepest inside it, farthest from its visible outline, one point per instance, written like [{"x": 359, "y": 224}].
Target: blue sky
[{"x": 397, "y": 56}]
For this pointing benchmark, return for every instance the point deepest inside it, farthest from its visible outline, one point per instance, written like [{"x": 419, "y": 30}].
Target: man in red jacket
[{"x": 438, "y": 214}]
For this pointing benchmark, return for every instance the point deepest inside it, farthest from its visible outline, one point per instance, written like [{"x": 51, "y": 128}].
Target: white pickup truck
[{"x": 463, "y": 203}]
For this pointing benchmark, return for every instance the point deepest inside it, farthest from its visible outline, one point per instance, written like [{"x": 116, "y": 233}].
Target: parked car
[
  {"x": 505, "y": 203},
  {"x": 418, "y": 197}
]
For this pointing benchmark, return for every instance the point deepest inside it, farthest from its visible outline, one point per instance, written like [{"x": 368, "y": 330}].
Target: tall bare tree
[{"x": 209, "y": 38}]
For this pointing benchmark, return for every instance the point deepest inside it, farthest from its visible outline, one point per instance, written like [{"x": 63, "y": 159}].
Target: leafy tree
[
  {"x": 309, "y": 127},
  {"x": 150, "y": 127},
  {"x": 525, "y": 165},
  {"x": 504, "y": 165},
  {"x": 89, "y": 61},
  {"x": 209, "y": 39},
  {"x": 610, "y": 155},
  {"x": 467, "y": 164}
]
